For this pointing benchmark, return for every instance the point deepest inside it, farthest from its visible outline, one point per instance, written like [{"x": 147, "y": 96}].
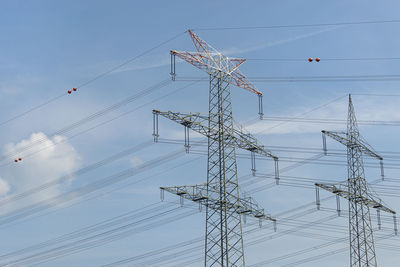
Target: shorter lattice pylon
[{"x": 358, "y": 192}]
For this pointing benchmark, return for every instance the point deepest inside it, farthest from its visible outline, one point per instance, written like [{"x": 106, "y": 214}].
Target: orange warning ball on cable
[
  {"x": 318, "y": 59},
  {"x": 69, "y": 91},
  {"x": 310, "y": 59},
  {"x": 19, "y": 159},
  {"x": 16, "y": 160},
  {"x": 74, "y": 88}
]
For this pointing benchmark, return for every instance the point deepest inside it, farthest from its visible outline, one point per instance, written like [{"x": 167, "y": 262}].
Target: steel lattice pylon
[
  {"x": 356, "y": 191},
  {"x": 220, "y": 195}
]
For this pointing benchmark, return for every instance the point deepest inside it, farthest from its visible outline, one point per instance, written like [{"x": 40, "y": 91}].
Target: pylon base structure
[
  {"x": 220, "y": 194},
  {"x": 357, "y": 192}
]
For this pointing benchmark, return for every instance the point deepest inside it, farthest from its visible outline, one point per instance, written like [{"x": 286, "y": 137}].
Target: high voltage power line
[
  {"x": 89, "y": 118},
  {"x": 299, "y": 25},
  {"x": 95, "y": 78},
  {"x": 321, "y": 78},
  {"x": 85, "y": 189},
  {"x": 115, "y": 233},
  {"x": 333, "y": 121},
  {"x": 324, "y": 59},
  {"x": 123, "y": 218},
  {"x": 93, "y": 116}
]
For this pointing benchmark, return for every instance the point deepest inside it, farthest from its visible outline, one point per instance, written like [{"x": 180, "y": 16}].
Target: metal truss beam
[
  {"x": 369, "y": 200},
  {"x": 198, "y": 193},
  {"x": 203, "y": 125},
  {"x": 358, "y": 143}
]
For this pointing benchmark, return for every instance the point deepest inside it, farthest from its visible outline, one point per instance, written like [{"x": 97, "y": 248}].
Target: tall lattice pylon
[
  {"x": 220, "y": 194},
  {"x": 357, "y": 192}
]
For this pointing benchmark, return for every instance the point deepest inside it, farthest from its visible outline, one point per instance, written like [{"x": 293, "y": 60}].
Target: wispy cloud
[
  {"x": 366, "y": 109},
  {"x": 233, "y": 51},
  {"x": 162, "y": 61}
]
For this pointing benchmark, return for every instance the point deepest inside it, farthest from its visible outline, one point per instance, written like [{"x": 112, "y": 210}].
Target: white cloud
[{"x": 51, "y": 162}]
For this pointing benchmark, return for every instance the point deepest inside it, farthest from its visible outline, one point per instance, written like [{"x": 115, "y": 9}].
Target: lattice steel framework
[
  {"x": 357, "y": 192},
  {"x": 220, "y": 195}
]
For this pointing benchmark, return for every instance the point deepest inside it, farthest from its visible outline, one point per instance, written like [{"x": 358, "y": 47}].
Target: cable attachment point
[
  {"x": 155, "y": 126},
  {"x": 260, "y": 106},
  {"x": 276, "y": 171},
  {"x": 173, "y": 73},
  {"x": 378, "y": 215},
  {"x": 162, "y": 194},
  {"x": 317, "y": 200},
  {"x": 324, "y": 143},
  {"x": 253, "y": 162},
  {"x": 187, "y": 144},
  {"x": 338, "y": 205}
]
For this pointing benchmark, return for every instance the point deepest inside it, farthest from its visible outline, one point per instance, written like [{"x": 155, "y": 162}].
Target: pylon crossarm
[
  {"x": 342, "y": 138},
  {"x": 249, "y": 142},
  {"x": 199, "y": 123},
  {"x": 194, "y": 121},
  {"x": 198, "y": 193},
  {"x": 214, "y": 62},
  {"x": 229, "y": 66},
  {"x": 199, "y": 60},
  {"x": 343, "y": 191}
]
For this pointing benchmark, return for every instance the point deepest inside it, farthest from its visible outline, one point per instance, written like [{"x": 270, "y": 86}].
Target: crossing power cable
[
  {"x": 93, "y": 116},
  {"x": 310, "y": 79},
  {"x": 98, "y": 226},
  {"x": 329, "y": 253},
  {"x": 324, "y": 59},
  {"x": 86, "y": 189},
  {"x": 266, "y": 27},
  {"x": 99, "y": 124},
  {"x": 102, "y": 194},
  {"x": 81, "y": 171},
  {"x": 100, "y": 238},
  {"x": 137, "y": 213},
  {"x": 332, "y": 121},
  {"x": 101, "y": 75}
]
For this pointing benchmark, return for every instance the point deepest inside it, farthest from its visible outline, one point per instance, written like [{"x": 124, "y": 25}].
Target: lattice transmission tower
[
  {"x": 220, "y": 194},
  {"x": 358, "y": 193}
]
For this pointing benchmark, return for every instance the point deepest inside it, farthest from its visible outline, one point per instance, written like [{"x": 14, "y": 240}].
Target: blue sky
[{"x": 48, "y": 47}]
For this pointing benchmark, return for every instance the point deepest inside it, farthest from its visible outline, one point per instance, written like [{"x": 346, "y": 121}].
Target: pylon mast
[
  {"x": 356, "y": 191},
  {"x": 220, "y": 194}
]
